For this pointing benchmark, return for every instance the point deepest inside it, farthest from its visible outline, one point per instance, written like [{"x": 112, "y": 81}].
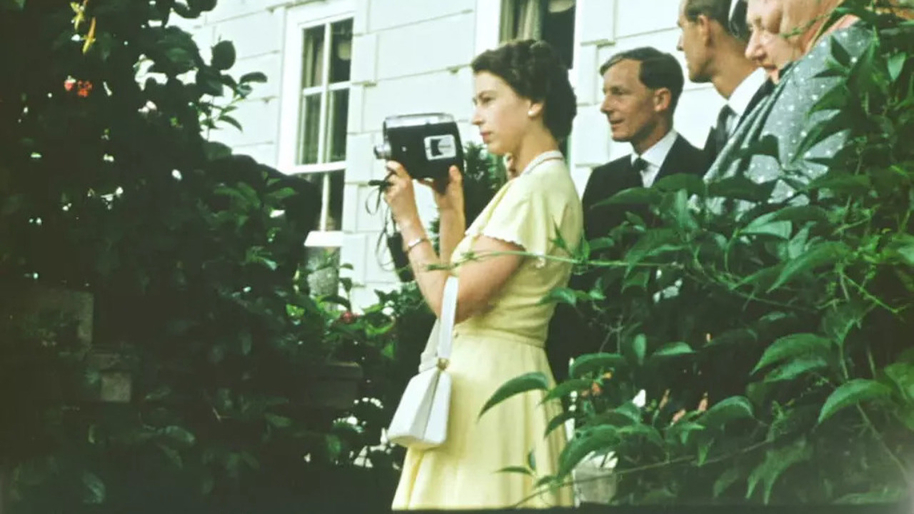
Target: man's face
[
  {"x": 633, "y": 110},
  {"x": 692, "y": 45}
]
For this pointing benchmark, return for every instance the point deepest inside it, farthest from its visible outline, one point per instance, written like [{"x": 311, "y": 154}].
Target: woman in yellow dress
[{"x": 524, "y": 106}]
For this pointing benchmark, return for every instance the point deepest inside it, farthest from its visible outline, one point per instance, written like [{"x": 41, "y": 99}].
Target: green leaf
[
  {"x": 901, "y": 246},
  {"x": 561, "y": 295},
  {"x": 254, "y": 76},
  {"x": 791, "y": 346},
  {"x": 223, "y": 55},
  {"x": 896, "y": 64},
  {"x": 692, "y": 184},
  {"x": 172, "y": 455},
  {"x": 213, "y": 150},
  {"x": 633, "y": 196},
  {"x": 202, "y": 5},
  {"x": 725, "y": 480},
  {"x": 741, "y": 188},
  {"x": 886, "y": 496},
  {"x": 852, "y": 393},
  {"x": 179, "y": 434},
  {"x": 95, "y": 494},
  {"x": 517, "y": 469},
  {"x": 231, "y": 121},
  {"x": 567, "y": 387},
  {"x": 247, "y": 341},
  {"x": 531, "y": 460},
  {"x": 729, "y": 409},
  {"x": 902, "y": 375},
  {"x": 533, "y": 381},
  {"x": 821, "y": 255},
  {"x": 12, "y": 5},
  {"x": 594, "y": 362},
  {"x": 559, "y": 421},
  {"x": 598, "y": 439},
  {"x": 775, "y": 464},
  {"x": 764, "y": 225},
  {"x": 839, "y": 53},
  {"x": 636, "y": 348},
  {"x": 801, "y": 214},
  {"x": 797, "y": 367},
  {"x": 674, "y": 349}
]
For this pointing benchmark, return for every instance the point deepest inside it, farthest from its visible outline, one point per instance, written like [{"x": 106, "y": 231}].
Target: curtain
[{"x": 521, "y": 19}]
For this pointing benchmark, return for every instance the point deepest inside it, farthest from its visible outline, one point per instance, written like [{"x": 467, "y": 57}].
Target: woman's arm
[
  {"x": 451, "y": 228},
  {"x": 481, "y": 278}
]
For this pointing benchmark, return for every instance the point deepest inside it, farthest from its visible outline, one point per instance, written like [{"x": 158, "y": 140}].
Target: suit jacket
[
  {"x": 618, "y": 175},
  {"x": 569, "y": 335},
  {"x": 711, "y": 147}
]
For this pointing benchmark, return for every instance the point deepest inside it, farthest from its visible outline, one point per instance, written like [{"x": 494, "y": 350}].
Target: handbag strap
[
  {"x": 448, "y": 315},
  {"x": 438, "y": 347}
]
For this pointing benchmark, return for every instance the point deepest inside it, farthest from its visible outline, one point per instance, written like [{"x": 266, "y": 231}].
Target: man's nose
[
  {"x": 754, "y": 51},
  {"x": 679, "y": 43}
]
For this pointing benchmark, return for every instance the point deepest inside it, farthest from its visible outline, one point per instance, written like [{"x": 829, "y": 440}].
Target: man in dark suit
[
  {"x": 713, "y": 40},
  {"x": 641, "y": 89}
]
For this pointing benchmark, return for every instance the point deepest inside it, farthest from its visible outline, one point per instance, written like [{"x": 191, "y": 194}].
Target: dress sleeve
[{"x": 522, "y": 216}]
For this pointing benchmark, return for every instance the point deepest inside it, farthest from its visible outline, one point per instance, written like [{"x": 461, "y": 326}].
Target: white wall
[{"x": 413, "y": 56}]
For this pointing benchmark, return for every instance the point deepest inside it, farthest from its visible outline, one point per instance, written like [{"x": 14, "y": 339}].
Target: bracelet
[{"x": 414, "y": 243}]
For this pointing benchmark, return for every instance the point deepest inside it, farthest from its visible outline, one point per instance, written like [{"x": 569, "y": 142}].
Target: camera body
[{"x": 426, "y": 144}]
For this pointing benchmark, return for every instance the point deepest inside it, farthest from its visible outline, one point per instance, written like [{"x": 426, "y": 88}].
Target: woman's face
[
  {"x": 503, "y": 117},
  {"x": 767, "y": 47}
]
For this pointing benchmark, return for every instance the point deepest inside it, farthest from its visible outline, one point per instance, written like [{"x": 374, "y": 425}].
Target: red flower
[{"x": 85, "y": 87}]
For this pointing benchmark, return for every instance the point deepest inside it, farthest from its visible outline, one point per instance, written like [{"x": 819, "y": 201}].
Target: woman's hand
[
  {"x": 399, "y": 194},
  {"x": 451, "y": 199}
]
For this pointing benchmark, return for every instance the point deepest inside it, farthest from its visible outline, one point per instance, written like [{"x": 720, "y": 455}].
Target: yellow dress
[{"x": 491, "y": 348}]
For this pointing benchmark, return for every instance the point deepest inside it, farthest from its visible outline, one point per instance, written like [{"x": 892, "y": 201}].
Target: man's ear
[
  {"x": 663, "y": 99},
  {"x": 703, "y": 24}
]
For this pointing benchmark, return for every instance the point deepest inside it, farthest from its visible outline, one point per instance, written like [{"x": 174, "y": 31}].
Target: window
[
  {"x": 314, "y": 112},
  {"x": 549, "y": 20}
]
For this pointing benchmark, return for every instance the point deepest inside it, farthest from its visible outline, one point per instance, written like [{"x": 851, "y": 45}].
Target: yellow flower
[
  {"x": 90, "y": 37},
  {"x": 80, "y": 15}
]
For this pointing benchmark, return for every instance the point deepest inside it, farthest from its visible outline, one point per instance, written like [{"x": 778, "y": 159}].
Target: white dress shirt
[
  {"x": 654, "y": 157},
  {"x": 742, "y": 96}
]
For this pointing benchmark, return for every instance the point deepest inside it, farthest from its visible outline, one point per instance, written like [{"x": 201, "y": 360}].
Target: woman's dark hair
[{"x": 534, "y": 70}]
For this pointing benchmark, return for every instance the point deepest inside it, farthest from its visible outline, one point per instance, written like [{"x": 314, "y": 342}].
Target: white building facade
[{"x": 337, "y": 68}]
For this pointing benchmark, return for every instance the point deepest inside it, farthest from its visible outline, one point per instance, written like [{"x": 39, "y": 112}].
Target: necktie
[
  {"x": 639, "y": 165},
  {"x": 722, "y": 130}
]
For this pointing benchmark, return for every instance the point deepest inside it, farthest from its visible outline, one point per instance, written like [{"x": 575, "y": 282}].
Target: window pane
[
  {"x": 558, "y": 29},
  {"x": 331, "y": 186},
  {"x": 341, "y": 57},
  {"x": 336, "y": 125},
  {"x": 312, "y": 70},
  {"x": 309, "y": 128},
  {"x": 323, "y": 265}
]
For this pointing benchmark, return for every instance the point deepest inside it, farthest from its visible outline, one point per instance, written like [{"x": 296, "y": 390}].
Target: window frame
[
  {"x": 488, "y": 27},
  {"x": 298, "y": 20}
]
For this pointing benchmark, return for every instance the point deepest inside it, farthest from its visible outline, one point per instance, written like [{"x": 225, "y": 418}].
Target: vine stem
[
  {"x": 894, "y": 458},
  {"x": 648, "y": 467}
]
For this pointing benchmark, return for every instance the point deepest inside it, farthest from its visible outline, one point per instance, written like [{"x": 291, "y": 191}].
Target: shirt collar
[
  {"x": 742, "y": 96},
  {"x": 656, "y": 154},
  {"x": 539, "y": 159}
]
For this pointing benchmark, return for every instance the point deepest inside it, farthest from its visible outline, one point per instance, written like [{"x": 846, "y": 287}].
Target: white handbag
[{"x": 421, "y": 418}]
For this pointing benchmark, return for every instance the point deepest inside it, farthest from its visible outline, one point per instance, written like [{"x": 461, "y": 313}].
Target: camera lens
[{"x": 382, "y": 151}]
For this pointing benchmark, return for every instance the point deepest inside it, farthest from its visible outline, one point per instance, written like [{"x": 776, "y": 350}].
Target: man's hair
[
  {"x": 658, "y": 70},
  {"x": 534, "y": 70},
  {"x": 720, "y": 11}
]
